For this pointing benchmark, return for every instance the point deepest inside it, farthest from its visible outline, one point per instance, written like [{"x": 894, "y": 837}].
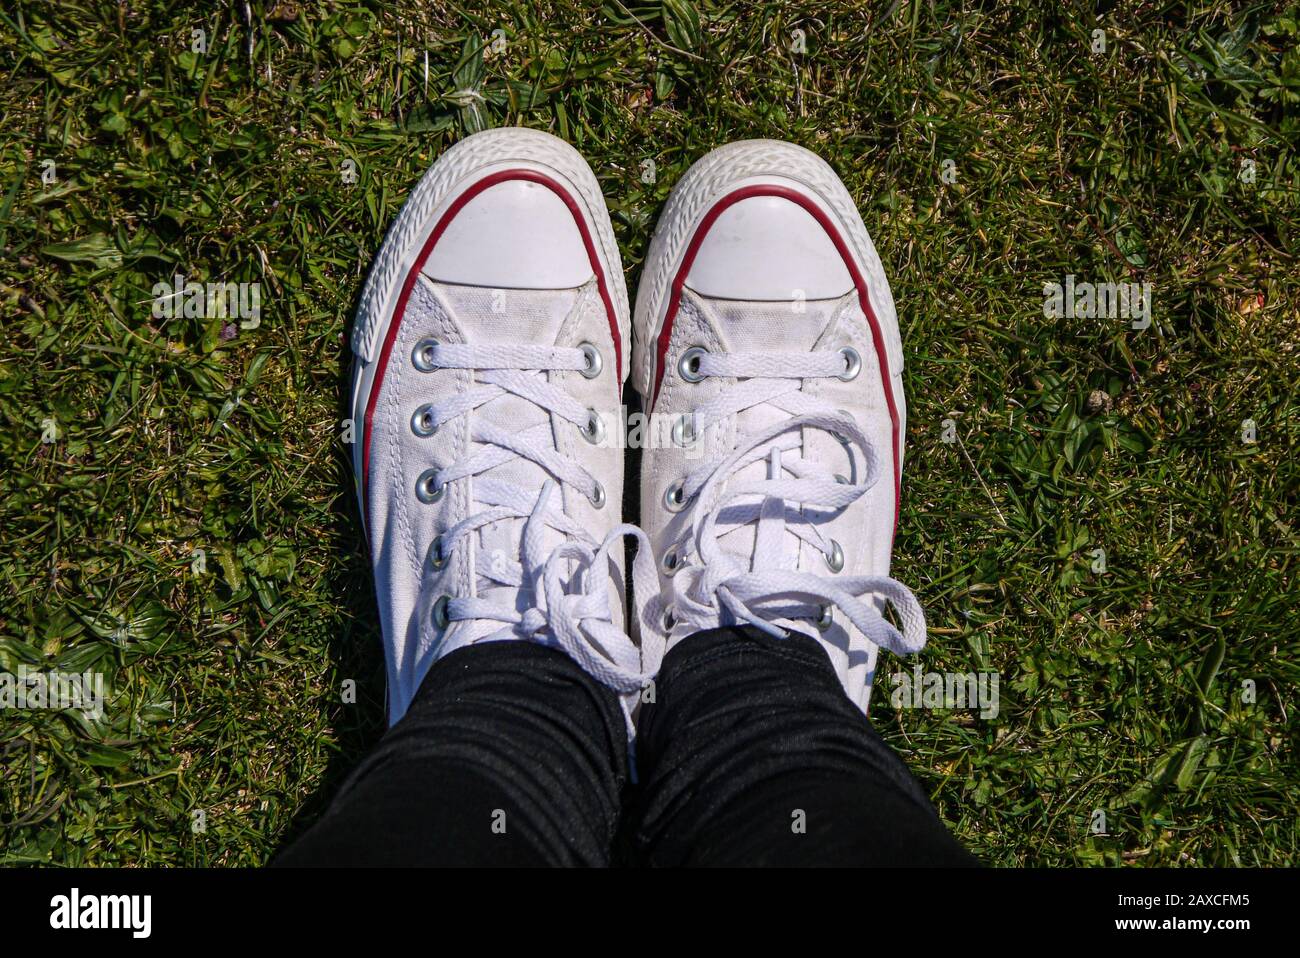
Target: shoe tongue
[
  {"x": 491, "y": 315},
  {"x": 519, "y": 316},
  {"x": 766, "y": 326}
]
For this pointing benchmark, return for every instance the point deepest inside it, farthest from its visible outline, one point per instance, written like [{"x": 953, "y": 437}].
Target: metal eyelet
[
  {"x": 437, "y": 559},
  {"x": 834, "y": 558},
  {"x": 684, "y": 430},
  {"x": 422, "y": 355},
  {"x": 594, "y": 361},
  {"x": 671, "y": 562},
  {"x": 675, "y": 498},
  {"x": 825, "y": 620},
  {"x": 594, "y": 430},
  {"x": 597, "y": 496},
  {"x": 428, "y": 488},
  {"x": 439, "y": 614},
  {"x": 852, "y": 363},
  {"x": 689, "y": 364},
  {"x": 422, "y": 421}
]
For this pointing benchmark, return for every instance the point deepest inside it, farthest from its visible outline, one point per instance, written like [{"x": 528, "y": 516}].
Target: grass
[{"x": 227, "y": 726}]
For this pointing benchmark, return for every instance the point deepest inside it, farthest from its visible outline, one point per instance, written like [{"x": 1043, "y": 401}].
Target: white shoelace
[
  {"x": 574, "y": 617},
  {"x": 717, "y": 585}
]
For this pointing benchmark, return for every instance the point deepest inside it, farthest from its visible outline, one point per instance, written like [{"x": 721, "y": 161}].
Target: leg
[
  {"x": 489, "y": 349},
  {"x": 766, "y": 334},
  {"x": 509, "y": 755},
  {"x": 753, "y": 755}
]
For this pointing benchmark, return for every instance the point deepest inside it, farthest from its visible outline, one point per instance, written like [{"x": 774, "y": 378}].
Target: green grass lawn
[{"x": 176, "y": 498}]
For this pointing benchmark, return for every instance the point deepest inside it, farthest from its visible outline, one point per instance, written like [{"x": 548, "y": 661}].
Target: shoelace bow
[
  {"x": 567, "y": 587},
  {"x": 765, "y": 586}
]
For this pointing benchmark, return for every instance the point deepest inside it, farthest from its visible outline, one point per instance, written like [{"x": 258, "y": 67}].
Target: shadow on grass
[{"x": 357, "y": 652}]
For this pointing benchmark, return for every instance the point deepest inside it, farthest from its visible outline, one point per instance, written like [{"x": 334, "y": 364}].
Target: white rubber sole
[{"x": 459, "y": 169}]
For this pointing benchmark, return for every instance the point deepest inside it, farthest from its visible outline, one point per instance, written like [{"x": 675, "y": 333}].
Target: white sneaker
[
  {"x": 768, "y": 351},
  {"x": 491, "y": 344}
]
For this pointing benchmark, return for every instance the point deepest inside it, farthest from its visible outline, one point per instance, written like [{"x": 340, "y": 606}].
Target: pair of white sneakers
[{"x": 492, "y": 343}]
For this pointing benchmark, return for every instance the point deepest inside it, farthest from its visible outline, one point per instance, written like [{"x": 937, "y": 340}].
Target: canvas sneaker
[
  {"x": 768, "y": 353},
  {"x": 491, "y": 347}
]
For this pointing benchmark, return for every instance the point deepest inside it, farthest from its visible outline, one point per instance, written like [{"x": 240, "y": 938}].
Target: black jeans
[{"x": 750, "y": 754}]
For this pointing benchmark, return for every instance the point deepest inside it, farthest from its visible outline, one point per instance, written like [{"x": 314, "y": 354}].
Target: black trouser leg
[
  {"x": 509, "y": 755},
  {"x": 752, "y": 754}
]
